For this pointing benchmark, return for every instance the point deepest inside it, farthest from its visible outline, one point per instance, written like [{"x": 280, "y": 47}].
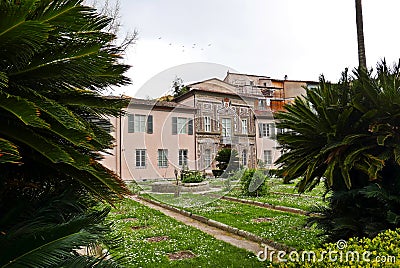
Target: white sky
[{"x": 301, "y": 39}]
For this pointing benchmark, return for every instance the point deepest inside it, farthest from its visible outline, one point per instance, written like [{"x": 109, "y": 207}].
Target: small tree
[
  {"x": 253, "y": 183},
  {"x": 228, "y": 160},
  {"x": 178, "y": 88}
]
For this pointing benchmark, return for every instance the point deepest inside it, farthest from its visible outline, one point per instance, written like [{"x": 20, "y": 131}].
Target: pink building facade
[{"x": 153, "y": 139}]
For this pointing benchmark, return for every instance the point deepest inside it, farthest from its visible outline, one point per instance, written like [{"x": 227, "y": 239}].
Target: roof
[
  {"x": 253, "y": 75},
  {"x": 159, "y": 104},
  {"x": 213, "y": 85}
]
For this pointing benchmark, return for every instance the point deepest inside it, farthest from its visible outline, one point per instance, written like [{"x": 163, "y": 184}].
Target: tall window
[
  {"x": 268, "y": 157},
  {"x": 182, "y": 125},
  {"x": 141, "y": 158},
  {"x": 140, "y": 123},
  {"x": 162, "y": 157},
  {"x": 207, "y": 158},
  {"x": 244, "y": 158},
  {"x": 207, "y": 124},
  {"x": 244, "y": 126},
  {"x": 137, "y": 123},
  {"x": 183, "y": 156},
  {"x": 226, "y": 127},
  {"x": 266, "y": 130},
  {"x": 262, "y": 104}
]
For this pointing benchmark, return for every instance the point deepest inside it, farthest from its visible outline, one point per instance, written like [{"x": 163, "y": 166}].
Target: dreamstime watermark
[{"x": 340, "y": 255}]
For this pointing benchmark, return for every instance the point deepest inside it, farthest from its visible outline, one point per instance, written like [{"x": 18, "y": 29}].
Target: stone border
[
  {"x": 297, "y": 195},
  {"x": 267, "y": 205},
  {"x": 222, "y": 226}
]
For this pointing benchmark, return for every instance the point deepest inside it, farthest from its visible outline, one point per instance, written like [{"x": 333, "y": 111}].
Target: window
[
  {"x": 162, "y": 157},
  {"x": 137, "y": 123},
  {"x": 207, "y": 124},
  {"x": 268, "y": 157},
  {"x": 183, "y": 156},
  {"x": 244, "y": 158},
  {"x": 244, "y": 126},
  {"x": 141, "y": 158},
  {"x": 266, "y": 130},
  {"x": 226, "y": 127},
  {"x": 140, "y": 123},
  {"x": 182, "y": 125},
  {"x": 207, "y": 158},
  {"x": 262, "y": 104}
]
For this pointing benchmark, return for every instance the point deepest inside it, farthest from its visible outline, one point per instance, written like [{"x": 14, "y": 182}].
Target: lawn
[
  {"x": 282, "y": 227},
  {"x": 148, "y": 236}
]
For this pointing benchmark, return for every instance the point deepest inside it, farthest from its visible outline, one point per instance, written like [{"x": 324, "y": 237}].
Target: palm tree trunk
[{"x": 362, "y": 61}]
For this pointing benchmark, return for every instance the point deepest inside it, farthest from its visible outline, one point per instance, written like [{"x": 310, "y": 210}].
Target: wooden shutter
[
  {"x": 260, "y": 130},
  {"x": 174, "y": 126},
  {"x": 273, "y": 131},
  {"x": 150, "y": 124},
  {"x": 131, "y": 123},
  {"x": 190, "y": 127}
]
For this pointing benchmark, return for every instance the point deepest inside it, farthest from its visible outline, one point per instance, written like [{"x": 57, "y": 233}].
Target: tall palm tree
[{"x": 362, "y": 61}]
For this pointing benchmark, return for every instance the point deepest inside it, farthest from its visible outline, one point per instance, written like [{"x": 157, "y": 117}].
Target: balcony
[{"x": 229, "y": 140}]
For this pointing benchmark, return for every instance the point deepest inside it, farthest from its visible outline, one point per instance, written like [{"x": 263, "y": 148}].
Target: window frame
[
  {"x": 142, "y": 158},
  {"x": 162, "y": 158}
]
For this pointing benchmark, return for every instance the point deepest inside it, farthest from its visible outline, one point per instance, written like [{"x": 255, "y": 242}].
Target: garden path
[{"x": 219, "y": 234}]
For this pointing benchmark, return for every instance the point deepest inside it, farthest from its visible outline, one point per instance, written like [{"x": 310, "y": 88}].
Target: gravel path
[{"x": 219, "y": 234}]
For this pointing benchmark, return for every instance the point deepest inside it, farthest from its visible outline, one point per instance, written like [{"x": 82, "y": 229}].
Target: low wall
[{"x": 170, "y": 187}]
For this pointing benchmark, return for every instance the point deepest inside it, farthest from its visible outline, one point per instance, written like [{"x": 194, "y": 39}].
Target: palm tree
[
  {"x": 362, "y": 61},
  {"x": 56, "y": 58},
  {"x": 346, "y": 135}
]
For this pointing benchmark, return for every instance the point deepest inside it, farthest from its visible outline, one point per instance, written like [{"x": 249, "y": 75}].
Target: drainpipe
[
  {"x": 194, "y": 131},
  {"x": 120, "y": 146}
]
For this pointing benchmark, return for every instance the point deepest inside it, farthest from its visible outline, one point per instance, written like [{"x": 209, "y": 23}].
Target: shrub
[
  {"x": 217, "y": 172},
  {"x": 253, "y": 183},
  {"x": 385, "y": 246},
  {"x": 192, "y": 176},
  {"x": 228, "y": 160},
  {"x": 348, "y": 133}
]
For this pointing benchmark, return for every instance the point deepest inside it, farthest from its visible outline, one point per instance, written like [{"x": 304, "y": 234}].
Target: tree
[
  {"x": 56, "y": 59},
  {"x": 362, "y": 61},
  {"x": 178, "y": 88},
  {"x": 228, "y": 160},
  {"x": 347, "y": 135}
]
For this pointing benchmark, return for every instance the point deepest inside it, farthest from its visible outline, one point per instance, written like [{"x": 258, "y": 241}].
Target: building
[
  {"x": 152, "y": 140},
  {"x": 155, "y": 138}
]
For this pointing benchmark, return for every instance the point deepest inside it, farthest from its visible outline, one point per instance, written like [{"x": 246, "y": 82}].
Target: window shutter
[
  {"x": 150, "y": 124},
  {"x": 131, "y": 123},
  {"x": 190, "y": 127},
  {"x": 174, "y": 126},
  {"x": 260, "y": 130},
  {"x": 273, "y": 131}
]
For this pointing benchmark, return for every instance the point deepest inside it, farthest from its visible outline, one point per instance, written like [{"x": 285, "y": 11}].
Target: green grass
[
  {"x": 209, "y": 251},
  {"x": 276, "y": 185},
  {"x": 286, "y": 228},
  {"x": 298, "y": 201}
]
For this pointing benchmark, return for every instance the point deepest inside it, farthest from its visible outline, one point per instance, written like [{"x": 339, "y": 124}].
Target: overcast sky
[{"x": 301, "y": 39}]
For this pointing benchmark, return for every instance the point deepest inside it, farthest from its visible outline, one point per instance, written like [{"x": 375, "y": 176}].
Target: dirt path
[{"x": 219, "y": 234}]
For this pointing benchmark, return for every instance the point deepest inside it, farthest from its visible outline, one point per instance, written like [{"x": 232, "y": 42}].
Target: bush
[
  {"x": 192, "y": 176},
  {"x": 253, "y": 183},
  {"x": 217, "y": 172},
  {"x": 385, "y": 246}
]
